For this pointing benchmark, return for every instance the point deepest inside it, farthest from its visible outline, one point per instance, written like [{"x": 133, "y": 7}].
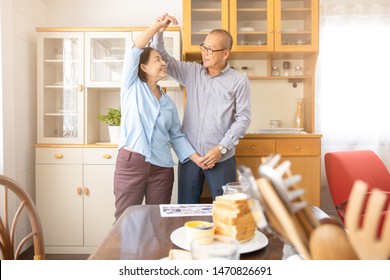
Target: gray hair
[{"x": 228, "y": 39}]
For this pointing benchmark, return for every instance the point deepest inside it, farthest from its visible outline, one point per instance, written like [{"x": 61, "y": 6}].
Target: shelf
[
  {"x": 60, "y": 114},
  {"x": 293, "y": 79},
  {"x": 108, "y": 60},
  {"x": 206, "y": 10},
  {"x": 54, "y": 60},
  {"x": 251, "y": 10},
  {"x": 60, "y": 86}
]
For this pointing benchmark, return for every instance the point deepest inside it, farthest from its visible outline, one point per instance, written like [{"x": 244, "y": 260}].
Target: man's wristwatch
[{"x": 222, "y": 149}]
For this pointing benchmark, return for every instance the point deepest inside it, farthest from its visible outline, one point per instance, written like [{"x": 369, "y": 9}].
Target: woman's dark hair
[{"x": 144, "y": 59}]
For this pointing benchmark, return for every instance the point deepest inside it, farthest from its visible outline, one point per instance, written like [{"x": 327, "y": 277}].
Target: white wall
[
  {"x": 18, "y": 21},
  {"x": 97, "y": 13}
]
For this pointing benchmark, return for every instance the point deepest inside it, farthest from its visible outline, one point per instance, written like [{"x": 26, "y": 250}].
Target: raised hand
[{"x": 164, "y": 21}]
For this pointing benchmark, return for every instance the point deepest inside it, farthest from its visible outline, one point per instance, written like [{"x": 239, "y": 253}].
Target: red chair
[{"x": 344, "y": 168}]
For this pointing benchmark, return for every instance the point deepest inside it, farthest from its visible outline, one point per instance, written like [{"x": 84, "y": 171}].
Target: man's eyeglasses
[{"x": 203, "y": 48}]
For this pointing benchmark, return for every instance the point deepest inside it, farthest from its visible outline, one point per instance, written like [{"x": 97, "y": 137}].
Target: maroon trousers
[{"x": 135, "y": 179}]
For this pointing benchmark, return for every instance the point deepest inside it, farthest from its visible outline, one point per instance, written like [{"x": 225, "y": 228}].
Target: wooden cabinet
[
  {"x": 74, "y": 196},
  {"x": 304, "y": 152},
  {"x": 256, "y": 25},
  {"x": 267, "y": 31}
]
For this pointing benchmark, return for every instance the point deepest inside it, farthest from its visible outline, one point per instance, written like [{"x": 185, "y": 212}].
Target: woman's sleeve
[
  {"x": 179, "y": 142},
  {"x": 130, "y": 66}
]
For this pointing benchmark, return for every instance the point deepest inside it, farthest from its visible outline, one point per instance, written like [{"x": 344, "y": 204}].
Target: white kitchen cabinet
[
  {"x": 60, "y": 87},
  {"x": 79, "y": 73},
  {"x": 74, "y": 70},
  {"x": 74, "y": 197},
  {"x": 105, "y": 52},
  {"x": 99, "y": 200}
]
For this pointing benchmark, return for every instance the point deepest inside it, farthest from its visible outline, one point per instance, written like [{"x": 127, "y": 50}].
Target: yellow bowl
[{"x": 196, "y": 229}]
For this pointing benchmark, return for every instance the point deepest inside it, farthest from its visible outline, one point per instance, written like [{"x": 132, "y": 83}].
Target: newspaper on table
[{"x": 181, "y": 210}]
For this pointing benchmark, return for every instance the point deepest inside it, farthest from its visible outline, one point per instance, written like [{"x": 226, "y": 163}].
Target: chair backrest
[
  {"x": 9, "y": 249},
  {"x": 344, "y": 168}
]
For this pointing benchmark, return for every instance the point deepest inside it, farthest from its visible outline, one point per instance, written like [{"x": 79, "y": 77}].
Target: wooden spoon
[{"x": 329, "y": 241}]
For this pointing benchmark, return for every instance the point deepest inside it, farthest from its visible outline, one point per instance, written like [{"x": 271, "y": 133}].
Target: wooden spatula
[
  {"x": 329, "y": 241},
  {"x": 364, "y": 238}
]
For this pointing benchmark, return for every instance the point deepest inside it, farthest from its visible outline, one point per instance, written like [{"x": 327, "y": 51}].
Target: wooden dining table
[{"x": 141, "y": 233}]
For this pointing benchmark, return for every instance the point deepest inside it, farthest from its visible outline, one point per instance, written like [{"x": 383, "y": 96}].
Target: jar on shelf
[
  {"x": 298, "y": 71},
  {"x": 286, "y": 68},
  {"x": 274, "y": 123},
  {"x": 299, "y": 117},
  {"x": 275, "y": 71},
  {"x": 244, "y": 70}
]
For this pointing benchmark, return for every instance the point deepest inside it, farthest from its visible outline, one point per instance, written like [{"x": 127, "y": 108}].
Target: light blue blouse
[{"x": 149, "y": 126}]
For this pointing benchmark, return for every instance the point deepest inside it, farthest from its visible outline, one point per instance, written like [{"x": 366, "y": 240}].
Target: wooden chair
[{"x": 10, "y": 250}]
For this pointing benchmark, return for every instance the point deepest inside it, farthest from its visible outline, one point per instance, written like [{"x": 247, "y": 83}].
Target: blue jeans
[{"x": 191, "y": 178}]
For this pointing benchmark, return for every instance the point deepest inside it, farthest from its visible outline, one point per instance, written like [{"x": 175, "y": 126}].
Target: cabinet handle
[
  {"x": 253, "y": 147},
  {"x": 106, "y": 156},
  {"x": 86, "y": 191},
  {"x": 58, "y": 156},
  {"x": 79, "y": 191},
  {"x": 80, "y": 87},
  {"x": 298, "y": 147}
]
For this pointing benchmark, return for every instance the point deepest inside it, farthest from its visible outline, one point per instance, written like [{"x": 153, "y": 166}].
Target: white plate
[
  {"x": 280, "y": 130},
  {"x": 258, "y": 242},
  {"x": 247, "y": 29}
]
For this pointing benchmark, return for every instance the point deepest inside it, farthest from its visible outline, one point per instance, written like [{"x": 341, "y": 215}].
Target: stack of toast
[{"x": 232, "y": 217}]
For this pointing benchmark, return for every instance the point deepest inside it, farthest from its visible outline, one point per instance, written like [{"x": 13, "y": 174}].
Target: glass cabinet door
[
  {"x": 105, "y": 53},
  {"x": 60, "y": 88},
  {"x": 251, "y": 25},
  {"x": 202, "y": 16},
  {"x": 296, "y": 25}
]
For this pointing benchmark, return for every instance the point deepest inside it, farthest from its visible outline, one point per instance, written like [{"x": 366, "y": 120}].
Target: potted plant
[{"x": 113, "y": 119}]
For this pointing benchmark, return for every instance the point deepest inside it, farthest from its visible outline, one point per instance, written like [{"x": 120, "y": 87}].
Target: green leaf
[{"x": 113, "y": 116}]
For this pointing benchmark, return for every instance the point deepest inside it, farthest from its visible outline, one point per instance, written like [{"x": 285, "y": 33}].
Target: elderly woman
[{"x": 150, "y": 125}]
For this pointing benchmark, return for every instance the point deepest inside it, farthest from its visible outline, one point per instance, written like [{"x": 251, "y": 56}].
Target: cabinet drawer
[
  {"x": 59, "y": 156},
  {"x": 255, "y": 147},
  {"x": 100, "y": 155},
  {"x": 292, "y": 147}
]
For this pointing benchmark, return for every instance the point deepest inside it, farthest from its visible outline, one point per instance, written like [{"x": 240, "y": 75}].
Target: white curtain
[{"x": 353, "y": 77}]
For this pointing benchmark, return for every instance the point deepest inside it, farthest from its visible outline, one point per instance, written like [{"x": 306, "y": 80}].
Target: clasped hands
[
  {"x": 207, "y": 161},
  {"x": 164, "y": 21}
]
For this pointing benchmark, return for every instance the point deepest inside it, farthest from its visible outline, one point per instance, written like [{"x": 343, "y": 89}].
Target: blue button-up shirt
[
  {"x": 149, "y": 126},
  {"x": 217, "y": 108}
]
